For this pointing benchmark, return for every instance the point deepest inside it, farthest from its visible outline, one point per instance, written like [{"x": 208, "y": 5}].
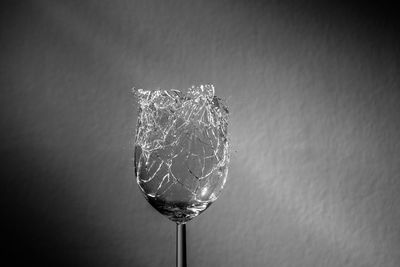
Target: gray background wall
[{"x": 314, "y": 96}]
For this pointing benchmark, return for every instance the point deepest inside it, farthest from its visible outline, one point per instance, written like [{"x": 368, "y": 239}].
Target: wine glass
[{"x": 181, "y": 153}]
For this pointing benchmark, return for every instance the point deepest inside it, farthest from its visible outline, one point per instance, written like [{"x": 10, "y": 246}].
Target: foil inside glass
[{"x": 181, "y": 149}]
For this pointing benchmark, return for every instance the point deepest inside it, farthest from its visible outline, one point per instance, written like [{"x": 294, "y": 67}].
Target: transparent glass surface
[{"x": 181, "y": 150}]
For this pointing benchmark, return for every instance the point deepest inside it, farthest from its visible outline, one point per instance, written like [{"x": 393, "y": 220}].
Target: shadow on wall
[{"x": 42, "y": 217}]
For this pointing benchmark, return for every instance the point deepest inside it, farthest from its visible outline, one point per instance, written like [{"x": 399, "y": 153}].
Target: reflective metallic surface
[{"x": 181, "y": 150}]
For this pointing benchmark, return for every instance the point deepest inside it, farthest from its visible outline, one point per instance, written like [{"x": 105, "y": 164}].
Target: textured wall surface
[{"x": 314, "y": 97}]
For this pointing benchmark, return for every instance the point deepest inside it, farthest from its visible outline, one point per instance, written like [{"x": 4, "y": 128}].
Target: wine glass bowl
[{"x": 181, "y": 150}]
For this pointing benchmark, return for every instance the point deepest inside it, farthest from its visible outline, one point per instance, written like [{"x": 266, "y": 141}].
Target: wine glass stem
[{"x": 180, "y": 245}]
